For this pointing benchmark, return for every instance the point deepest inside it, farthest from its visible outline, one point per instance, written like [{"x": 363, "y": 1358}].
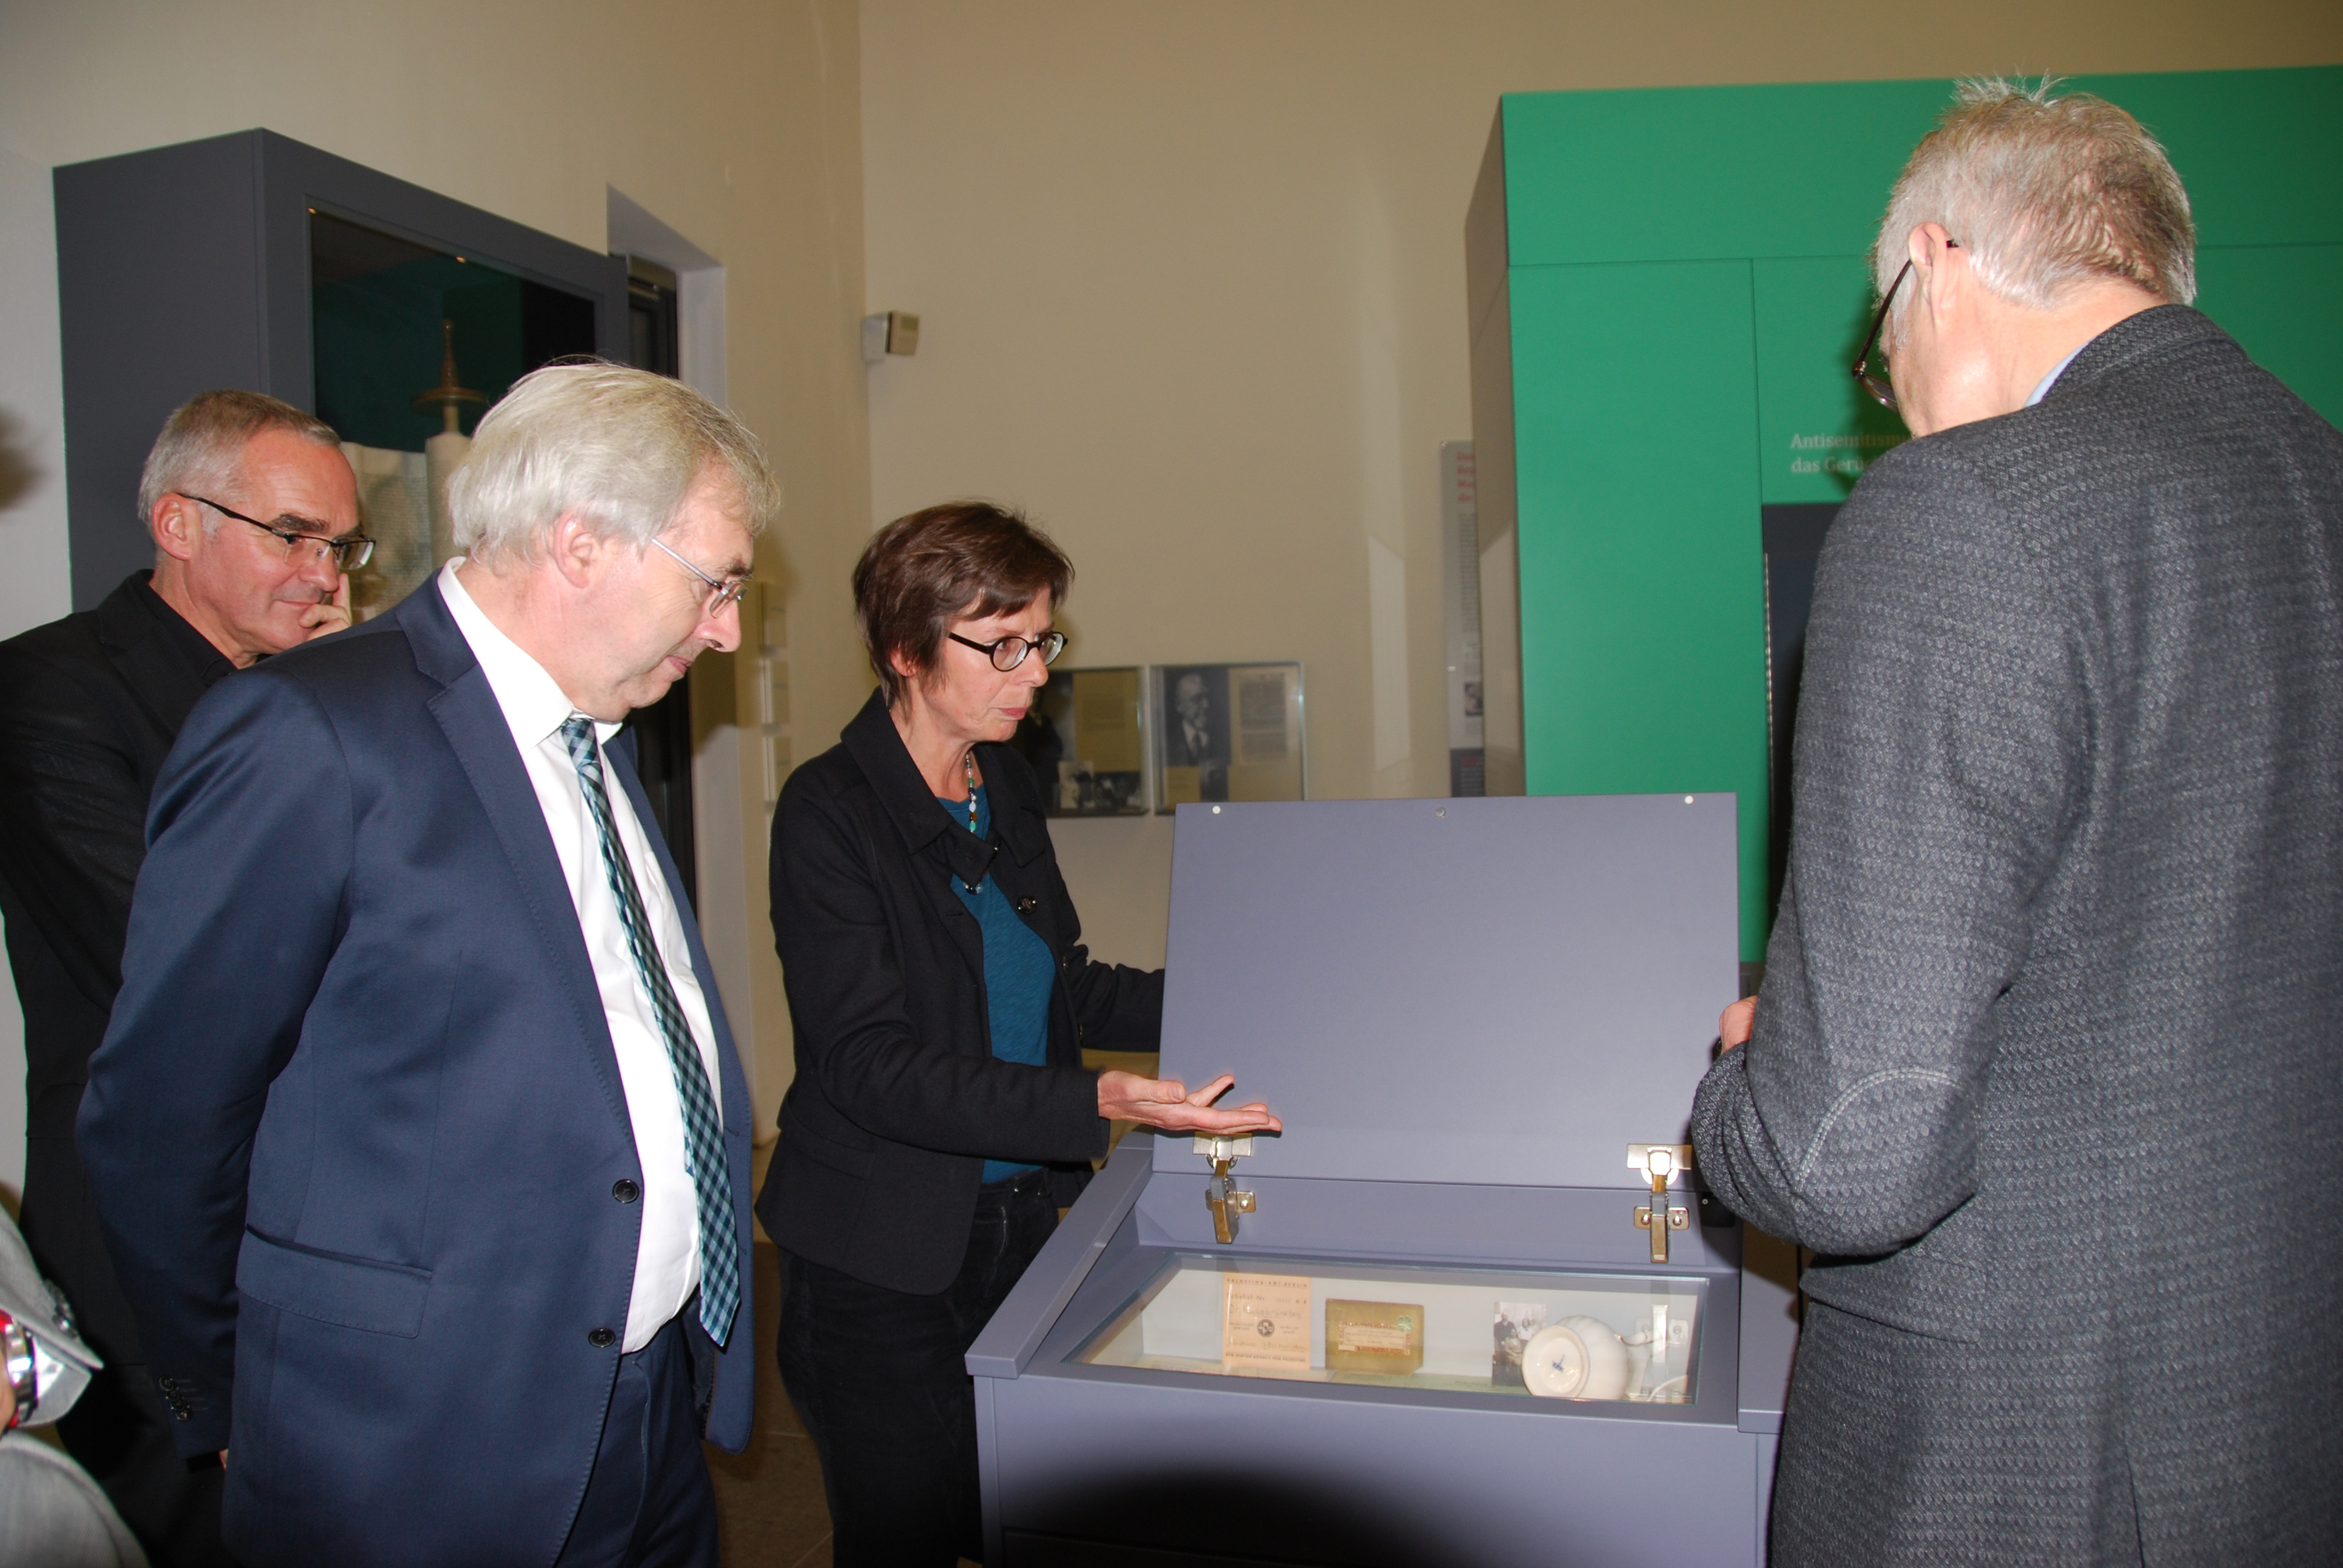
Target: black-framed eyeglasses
[
  {"x": 351, "y": 551},
  {"x": 720, "y": 591},
  {"x": 1009, "y": 652},
  {"x": 1874, "y": 382}
]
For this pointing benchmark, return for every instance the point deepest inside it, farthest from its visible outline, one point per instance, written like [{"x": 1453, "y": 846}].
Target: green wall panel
[
  {"x": 2284, "y": 305},
  {"x": 1816, "y": 429},
  {"x": 1697, "y": 172},
  {"x": 2261, "y": 152},
  {"x": 1688, "y": 289},
  {"x": 1643, "y": 567}
]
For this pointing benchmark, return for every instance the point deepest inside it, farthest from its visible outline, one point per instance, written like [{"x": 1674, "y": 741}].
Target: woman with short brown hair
[{"x": 940, "y": 1115}]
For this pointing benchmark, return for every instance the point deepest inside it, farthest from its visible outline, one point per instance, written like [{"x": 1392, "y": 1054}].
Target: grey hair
[
  {"x": 201, "y": 448},
  {"x": 2043, "y": 194},
  {"x": 618, "y": 447}
]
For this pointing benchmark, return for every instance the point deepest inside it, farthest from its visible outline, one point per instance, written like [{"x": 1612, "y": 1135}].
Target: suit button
[
  {"x": 626, "y": 1191},
  {"x": 601, "y": 1339}
]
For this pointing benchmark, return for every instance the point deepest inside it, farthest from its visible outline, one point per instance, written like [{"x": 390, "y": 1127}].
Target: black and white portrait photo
[
  {"x": 1227, "y": 732},
  {"x": 1196, "y": 726}
]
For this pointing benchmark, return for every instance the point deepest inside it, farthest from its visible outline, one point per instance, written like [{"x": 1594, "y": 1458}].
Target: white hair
[
  {"x": 2043, "y": 194},
  {"x": 618, "y": 447}
]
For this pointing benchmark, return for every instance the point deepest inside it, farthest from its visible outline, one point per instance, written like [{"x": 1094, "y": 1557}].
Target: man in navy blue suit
[{"x": 419, "y": 1137}]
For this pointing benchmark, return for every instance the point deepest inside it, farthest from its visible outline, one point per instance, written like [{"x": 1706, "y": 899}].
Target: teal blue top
[{"x": 1019, "y": 971}]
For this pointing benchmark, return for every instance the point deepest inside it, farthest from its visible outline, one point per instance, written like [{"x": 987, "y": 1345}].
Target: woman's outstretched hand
[{"x": 1165, "y": 1102}]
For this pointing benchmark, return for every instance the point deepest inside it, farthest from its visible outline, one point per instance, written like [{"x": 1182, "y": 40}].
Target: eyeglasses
[
  {"x": 1877, "y": 385},
  {"x": 720, "y": 593},
  {"x": 1009, "y": 652},
  {"x": 351, "y": 551}
]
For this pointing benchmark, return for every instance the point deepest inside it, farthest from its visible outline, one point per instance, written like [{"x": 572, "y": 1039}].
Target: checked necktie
[{"x": 703, "y": 1132}]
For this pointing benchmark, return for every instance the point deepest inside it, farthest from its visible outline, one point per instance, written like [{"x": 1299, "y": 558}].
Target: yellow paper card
[{"x": 1374, "y": 1337}]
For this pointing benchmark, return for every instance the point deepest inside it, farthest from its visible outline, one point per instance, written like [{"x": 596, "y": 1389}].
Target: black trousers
[
  {"x": 121, "y": 1433},
  {"x": 878, "y": 1378},
  {"x": 648, "y": 1503}
]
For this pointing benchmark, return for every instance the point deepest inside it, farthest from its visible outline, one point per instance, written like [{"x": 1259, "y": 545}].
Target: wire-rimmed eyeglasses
[
  {"x": 720, "y": 591},
  {"x": 1007, "y": 653},
  {"x": 1874, "y": 382},
  {"x": 351, "y": 551}
]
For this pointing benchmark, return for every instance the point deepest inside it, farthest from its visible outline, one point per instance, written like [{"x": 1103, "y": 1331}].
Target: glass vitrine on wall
[
  {"x": 411, "y": 344},
  {"x": 301, "y": 275},
  {"x": 384, "y": 311}
]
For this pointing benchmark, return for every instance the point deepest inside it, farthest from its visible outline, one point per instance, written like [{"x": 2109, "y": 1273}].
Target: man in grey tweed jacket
[{"x": 2045, "y": 1064}]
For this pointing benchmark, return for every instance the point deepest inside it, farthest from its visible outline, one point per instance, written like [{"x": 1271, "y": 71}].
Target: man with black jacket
[{"x": 254, "y": 513}]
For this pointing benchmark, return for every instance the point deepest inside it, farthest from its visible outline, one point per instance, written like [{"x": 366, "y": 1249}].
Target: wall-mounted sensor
[{"x": 889, "y": 332}]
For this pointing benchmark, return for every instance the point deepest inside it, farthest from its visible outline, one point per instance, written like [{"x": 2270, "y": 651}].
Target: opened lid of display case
[{"x": 1518, "y": 991}]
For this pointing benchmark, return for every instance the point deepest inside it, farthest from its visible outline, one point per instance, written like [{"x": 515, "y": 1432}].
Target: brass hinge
[
  {"x": 1665, "y": 1164},
  {"x": 1222, "y": 1196}
]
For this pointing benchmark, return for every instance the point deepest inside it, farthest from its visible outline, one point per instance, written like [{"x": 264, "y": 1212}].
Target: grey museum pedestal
[{"x": 1477, "y": 1018}]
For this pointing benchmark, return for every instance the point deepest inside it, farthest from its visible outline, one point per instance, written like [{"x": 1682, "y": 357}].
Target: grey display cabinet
[
  {"x": 1477, "y": 1018},
  {"x": 185, "y": 267}
]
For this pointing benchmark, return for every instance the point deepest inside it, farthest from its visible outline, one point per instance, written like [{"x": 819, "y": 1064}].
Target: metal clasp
[
  {"x": 1664, "y": 1164},
  {"x": 1222, "y": 1196}
]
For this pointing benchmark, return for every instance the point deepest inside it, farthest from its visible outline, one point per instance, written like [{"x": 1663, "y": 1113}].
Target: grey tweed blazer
[{"x": 2048, "y": 1063}]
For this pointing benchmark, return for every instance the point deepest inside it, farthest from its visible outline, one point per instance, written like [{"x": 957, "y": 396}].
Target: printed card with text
[{"x": 1266, "y": 1328}]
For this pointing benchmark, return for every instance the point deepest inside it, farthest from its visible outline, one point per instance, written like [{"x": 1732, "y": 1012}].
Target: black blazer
[
  {"x": 90, "y": 706},
  {"x": 899, "y": 1100}
]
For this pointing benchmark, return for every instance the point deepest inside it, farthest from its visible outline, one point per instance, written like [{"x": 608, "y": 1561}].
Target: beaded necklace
[{"x": 969, "y": 765}]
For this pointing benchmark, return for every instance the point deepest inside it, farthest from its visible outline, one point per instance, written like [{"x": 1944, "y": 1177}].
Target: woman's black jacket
[{"x": 899, "y": 1100}]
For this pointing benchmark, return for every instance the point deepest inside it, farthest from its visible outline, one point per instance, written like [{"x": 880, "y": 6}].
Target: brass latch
[
  {"x": 1663, "y": 1163},
  {"x": 1222, "y": 1196}
]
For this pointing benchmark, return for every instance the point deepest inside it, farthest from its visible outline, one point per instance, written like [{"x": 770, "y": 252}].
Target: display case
[
  {"x": 1470, "y": 1307},
  {"x": 288, "y": 271}
]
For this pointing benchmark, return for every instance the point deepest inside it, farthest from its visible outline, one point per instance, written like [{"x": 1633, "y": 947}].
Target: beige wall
[
  {"x": 737, "y": 124},
  {"x": 1191, "y": 280}
]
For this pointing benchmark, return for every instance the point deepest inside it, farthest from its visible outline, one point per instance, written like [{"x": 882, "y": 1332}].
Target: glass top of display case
[{"x": 1572, "y": 1336}]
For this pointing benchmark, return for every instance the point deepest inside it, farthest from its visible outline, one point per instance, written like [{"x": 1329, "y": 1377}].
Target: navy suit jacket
[{"x": 356, "y": 1126}]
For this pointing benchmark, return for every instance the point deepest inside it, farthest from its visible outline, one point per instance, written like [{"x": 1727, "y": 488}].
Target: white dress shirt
[{"x": 667, "y": 1254}]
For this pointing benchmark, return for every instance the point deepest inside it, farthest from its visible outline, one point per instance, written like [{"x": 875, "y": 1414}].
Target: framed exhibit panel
[
  {"x": 1086, "y": 737},
  {"x": 1228, "y": 732}
]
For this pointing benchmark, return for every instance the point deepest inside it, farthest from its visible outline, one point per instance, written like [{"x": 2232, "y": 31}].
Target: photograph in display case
[
  {"x": 1086, "y": 739},
  {"x": 1228, "y": 732},
  {"x": 1517, "y": 1323}
]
